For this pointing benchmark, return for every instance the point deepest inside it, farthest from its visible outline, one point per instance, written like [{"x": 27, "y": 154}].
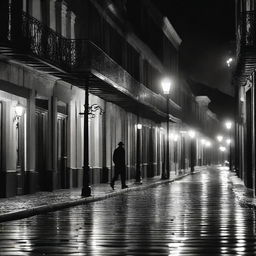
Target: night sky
[{"x": 207, "y": 29}]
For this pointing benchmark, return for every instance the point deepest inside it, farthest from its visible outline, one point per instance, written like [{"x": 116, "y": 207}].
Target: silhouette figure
[{"x": 119, "y": 161}]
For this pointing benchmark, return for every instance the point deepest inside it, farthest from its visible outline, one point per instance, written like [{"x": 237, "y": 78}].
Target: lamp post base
[
  {"x": 86, "y": 191},
  {"x": 164, "y": 177},
  {"x": 138, "y": 182},
  {"x": 138, "y": 178}
]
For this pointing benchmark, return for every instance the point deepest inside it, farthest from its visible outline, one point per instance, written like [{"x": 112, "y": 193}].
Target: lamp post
[
  {"x": 138, "y": 172},
  {"x": 222, "y": 150},
  {"x": 192, "y": 135},
  {"x": 203, "y": 156},
  {"x": 219, "y": 139},
  {"x": 183, "y": 150},
  {"x": 228, "y": 125},
  {"x": 166, "y": 86},
  {"x": 19, "y": 112},
  {"x": 163, "y": 154},
  {"x": 208, "y": 145},
  {"x": 86, "y": 190},
  {"x": 176, "y": 137}
]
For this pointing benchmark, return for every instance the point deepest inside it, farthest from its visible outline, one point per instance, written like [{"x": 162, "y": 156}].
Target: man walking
[{"x": 119, "y": 161}]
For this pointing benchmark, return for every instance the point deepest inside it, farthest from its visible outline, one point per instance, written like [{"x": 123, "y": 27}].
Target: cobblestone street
[{"x": 198, "y": 215}]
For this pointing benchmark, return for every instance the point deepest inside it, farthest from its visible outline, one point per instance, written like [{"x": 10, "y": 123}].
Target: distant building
[
  {"x": 244, "y": 82},
  {"x": 53, "y": 51}
]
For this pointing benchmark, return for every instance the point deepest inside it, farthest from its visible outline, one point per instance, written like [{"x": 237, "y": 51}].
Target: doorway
[
  {"x": 41, "y": 139},
  {"x": 20, "y": 155},
  {"x": 62, "y": 175}
]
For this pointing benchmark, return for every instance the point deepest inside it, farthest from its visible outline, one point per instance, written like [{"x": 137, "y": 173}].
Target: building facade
[
  {"x": 53, "y": 55},
  {"x": 244, "y": 82}
]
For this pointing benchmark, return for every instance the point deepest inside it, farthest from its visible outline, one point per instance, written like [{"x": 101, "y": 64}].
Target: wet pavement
[
  {"x": 243, "y": 194},
  {"x": 198, "y": 215},
  {"x": 19, "y": 207}
]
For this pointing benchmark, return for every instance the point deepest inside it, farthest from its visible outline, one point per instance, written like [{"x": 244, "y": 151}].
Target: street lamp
[
  {"x": 166, "y": 86},
  {"x": 208, "y": 144},
  {"x": 228, "y": 141},
  {"x": 19, "y": 110},
  {"x": 183, "y": 134},
  {"x": 86, "y": 190},
  {"x": 229, "y": 61},
  {"x": 174, "y": 136},
  {"x": 192, "y": 135},
  {"x": 138, "y": 172},
  {"x": 139, "y": 126},
  {"x": 228, "y": 125},
  {"x": 219, "y": 138},
  {"x": 222, "y": 150}
]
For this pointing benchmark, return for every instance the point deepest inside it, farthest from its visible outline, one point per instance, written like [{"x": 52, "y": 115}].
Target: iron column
[{"x": 86, "y": 190}]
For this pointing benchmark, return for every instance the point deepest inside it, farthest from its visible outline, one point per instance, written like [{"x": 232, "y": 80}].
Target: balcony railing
[
  {"x": 49, "y": 45},
  {"x": 246, "y": 30},
  {"x": 80, "y": 55}
]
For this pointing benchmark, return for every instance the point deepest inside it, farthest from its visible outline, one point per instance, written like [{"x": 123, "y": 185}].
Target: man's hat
[{"x": 120, "y": 143}]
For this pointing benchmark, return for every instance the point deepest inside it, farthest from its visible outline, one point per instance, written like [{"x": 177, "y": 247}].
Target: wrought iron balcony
[
  {"x": 45, "y": 43},
  {"x": 246, "y": 30},
  {"x": 80, "y": 57},
  {"x": 245, "y": 46}
]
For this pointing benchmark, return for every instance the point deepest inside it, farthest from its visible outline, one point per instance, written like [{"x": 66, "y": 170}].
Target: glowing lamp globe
[
  {"x": 219, "y": 138},
  {"x": 192, "y": 134},
  {"x": 19, "y": 110},
  {"x": 222, "y": 149},
  {"x": 166, "y": 85},
  {"x": 228, "y": 125}
]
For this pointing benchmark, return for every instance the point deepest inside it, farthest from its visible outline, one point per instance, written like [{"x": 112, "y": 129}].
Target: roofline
[
  {"x": 164, "y": 23},
  {"x": 171, "y": 33}
]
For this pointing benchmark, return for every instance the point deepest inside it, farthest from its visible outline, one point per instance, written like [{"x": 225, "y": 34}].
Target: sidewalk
[
  {"x": 243, "y": 194},
  {"x": 41, "y": 202}
]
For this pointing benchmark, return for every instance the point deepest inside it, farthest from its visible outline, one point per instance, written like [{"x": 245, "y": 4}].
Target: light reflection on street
[{"x": 197, "y": 215}]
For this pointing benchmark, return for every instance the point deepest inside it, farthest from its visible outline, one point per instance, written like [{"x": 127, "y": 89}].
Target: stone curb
[
  {"x": 59, "y": 206},
  {"x": 240, "y": 192}
]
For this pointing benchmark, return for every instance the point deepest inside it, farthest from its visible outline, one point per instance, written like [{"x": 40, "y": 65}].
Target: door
[
  {"x": 183, "y": 153},
  {"x": 41, "y": 139},
  {"x": 63, "y": 179}
]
